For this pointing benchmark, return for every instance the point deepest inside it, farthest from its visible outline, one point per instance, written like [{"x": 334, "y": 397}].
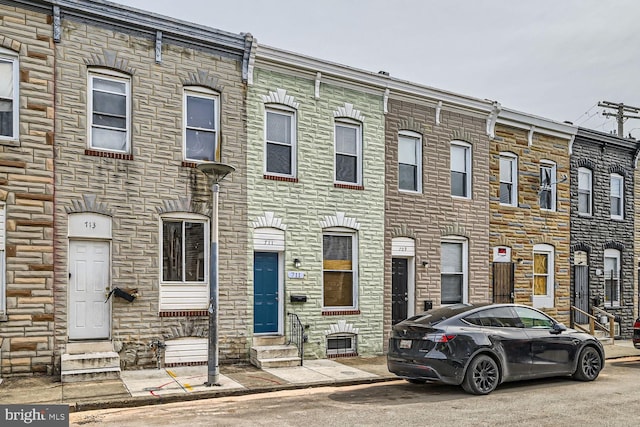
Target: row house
[
  {"x": 26, "y": 189},
  {"x": 602, "y": 227},
  {"x": 529, "y": 212}
]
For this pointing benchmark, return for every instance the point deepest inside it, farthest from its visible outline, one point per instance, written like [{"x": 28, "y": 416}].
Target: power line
[{"x": 620, "y": 116}]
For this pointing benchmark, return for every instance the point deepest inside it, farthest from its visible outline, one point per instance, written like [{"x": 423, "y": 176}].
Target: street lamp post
[{"x": 216, "y": 172}]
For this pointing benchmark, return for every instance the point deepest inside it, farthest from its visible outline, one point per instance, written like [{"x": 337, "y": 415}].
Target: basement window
[{"x": 342, "y": 345}]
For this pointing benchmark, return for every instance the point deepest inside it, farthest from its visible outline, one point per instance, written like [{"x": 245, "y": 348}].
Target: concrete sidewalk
[{"x": 154, "y": 386}]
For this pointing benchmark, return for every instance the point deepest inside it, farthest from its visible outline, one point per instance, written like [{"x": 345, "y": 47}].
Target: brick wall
[
  {"x": 302, "y": 205},
  {"x": 134, "y": 190},
  {"x": 434, "y": 213},
  {"x": 26, "y": 189}
]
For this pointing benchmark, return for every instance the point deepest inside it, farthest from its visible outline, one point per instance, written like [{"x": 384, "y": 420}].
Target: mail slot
[{"x": 298, "y": 298}]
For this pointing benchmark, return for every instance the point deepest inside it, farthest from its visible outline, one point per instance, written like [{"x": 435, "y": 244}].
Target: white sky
[{"x": 552, "y": 58}]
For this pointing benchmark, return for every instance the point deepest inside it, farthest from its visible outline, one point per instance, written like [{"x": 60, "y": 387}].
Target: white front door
[{"x": 89, "y": 315}]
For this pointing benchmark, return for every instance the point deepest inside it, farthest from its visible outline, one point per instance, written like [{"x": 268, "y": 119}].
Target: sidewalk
[{"x": 154, "y": 386}]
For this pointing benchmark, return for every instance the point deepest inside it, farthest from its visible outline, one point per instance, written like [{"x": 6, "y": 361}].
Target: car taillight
[
  {"x": 636, "y": 325},
  {"x": 441, "y": 337}
]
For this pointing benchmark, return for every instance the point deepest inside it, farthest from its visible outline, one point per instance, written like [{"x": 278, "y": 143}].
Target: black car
[
  {"x": 636, "y": 333},
  {"x": 481, "y": 346}
]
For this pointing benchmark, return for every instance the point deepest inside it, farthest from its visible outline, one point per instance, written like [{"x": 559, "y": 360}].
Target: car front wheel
[
  {"x": 482, "y": 375},
  {"x": 589, "y": 365}
]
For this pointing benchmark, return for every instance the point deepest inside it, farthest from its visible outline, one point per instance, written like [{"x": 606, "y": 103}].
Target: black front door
[
  {"x": 399, "y": 289},
  {"x": 581, "y": 290}
]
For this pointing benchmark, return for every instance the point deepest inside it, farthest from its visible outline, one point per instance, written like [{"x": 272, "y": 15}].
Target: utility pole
[{"x": 620, "y": 116}]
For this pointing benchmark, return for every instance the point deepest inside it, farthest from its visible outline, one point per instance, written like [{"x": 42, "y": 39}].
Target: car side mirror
[{"x": 558, "y": 328}]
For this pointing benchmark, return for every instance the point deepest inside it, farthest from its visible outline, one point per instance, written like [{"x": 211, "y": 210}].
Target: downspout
[{"x": 56, "y": 35}]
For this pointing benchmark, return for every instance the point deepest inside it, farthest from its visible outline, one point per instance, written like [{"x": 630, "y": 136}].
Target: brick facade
[
  {"x": 604, "y": 154},
  {"x": 26, "y": 196},
  {"x": 133, "y": 190},
  {"x": 433, "y": 214}
]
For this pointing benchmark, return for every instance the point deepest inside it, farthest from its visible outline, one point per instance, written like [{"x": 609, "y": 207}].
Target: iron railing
[{"x": 296, "y": 334}]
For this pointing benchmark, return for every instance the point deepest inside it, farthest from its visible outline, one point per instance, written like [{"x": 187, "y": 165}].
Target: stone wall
[
  {"x": 26, "y": 190},
  {"x": 135, "y": 189}
]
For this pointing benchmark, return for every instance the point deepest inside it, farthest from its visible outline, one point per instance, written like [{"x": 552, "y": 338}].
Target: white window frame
[
  {"x": 617, "y": 177},
  {"x": 547, "y": 300},
  {"x": 114, "y": 76},
  {"x": 347, "y": 351},
  {"x": 208, "y": 94},
  {"x": 468, "y": 168},
  {"x": 513, "y": 164},
  {"x": 277, "y": 109},
  {"x": 3, "y": 261},
  {"x": 12, "y": 58},
  {"x": 358, "y": 127},
  {"x": 588, "y": 191},
  {"x": 416, "y": 138},
  {"x": 551, "y": 186},
  {"x": 341, "y": 231},
  {"x": 464, "y": 247},
  {"x": 616, "y": 256},
  {"x": 187, "y": 287}
]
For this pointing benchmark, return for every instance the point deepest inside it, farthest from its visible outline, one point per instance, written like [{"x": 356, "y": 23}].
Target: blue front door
[{"x": 265, "y": 292}]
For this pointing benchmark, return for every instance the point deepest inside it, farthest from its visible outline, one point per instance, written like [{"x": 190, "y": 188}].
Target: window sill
[
  {"x": 347, "y": 312},
  {"x": 280, "y": 178},
  {"x": 585, "y": 215},
  {"x": 348, "y": 186},
  {"x": 617, "y": 218},
  {"x": 462, "y": 198},
  {"x": 108, "y": 154},
  {"x": 504, "y": 205},
  {"x": 184, "y": 313},
  {"x": 10, "y": 142},
  {"x": 410, "y": 192}
]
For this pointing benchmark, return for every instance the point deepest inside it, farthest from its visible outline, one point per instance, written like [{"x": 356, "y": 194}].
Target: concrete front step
[
  {"x": 273, "y": 351},
  {"x": 82, "y": 347},
  {"x": 72, "y": 362},
  {"x": 266, "y": 340},
  {"x": 97, "y": 374},
  {"x": 280, "y": 362}
]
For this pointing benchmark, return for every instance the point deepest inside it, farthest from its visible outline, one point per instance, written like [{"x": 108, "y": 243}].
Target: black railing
[{"x": 296, "y": 334}]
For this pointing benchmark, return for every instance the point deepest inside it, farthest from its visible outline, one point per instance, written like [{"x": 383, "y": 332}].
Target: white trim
[
  {"x": 3, "y": 262},
  {"x": 612, "y": 254},
  {"x": 464, "y": 247},
  {"x": 354, "y": 265},
  {"x": 513, "y": 161},
  {"x": 405, "y": 247},
  {"x": 204, "y": 93},
  {"x": 352, "y": 124},
  {"x": 553, "y": 185},
  {"x": 268, "y": 239},
  {"x": 281, "y": 109},
  {"x": 588, "y": 172},
  {"x": 417, "y": 139},
  {"x": 468, "y": 167},
  {"x": 279, "y": 96},
  {"x": 109, "y": 75},
  {"x": 12, "y": 58},
  {"x": 619, "y": 178},
  {"x": 548, "y": 300},
  {"x": 281, "y": 277}
]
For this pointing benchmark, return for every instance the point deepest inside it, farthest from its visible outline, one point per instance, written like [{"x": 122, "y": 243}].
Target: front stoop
[
  {"x": 272, "y": 352},
  {"x": 89, "y": 361}
]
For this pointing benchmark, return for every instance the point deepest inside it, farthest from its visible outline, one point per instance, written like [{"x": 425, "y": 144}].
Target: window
[
  {"x": 280, "y": 153},
  {"x": 508, "y": 179},
  {"x": 548, "y": 186},
  {"x": 543, "y": 275},
  {"x": 585, "y": 191},
  {"x": 611, "y": 277},
  {"x": 3, "y": 273},
  {"x": 341, "y": 344},
  {"x": 530, "y": 318},
  {"x": 183, "y": 251},
  {"x": 201, "y": 124},
  {"x": 8, "y": 95},
  {"x": 460, "y": 169},
  {"x": 339, "y": 271},
  {"x": 617, "y": 192},
  {"x": 410, "y": 162},
  {"x": 348, "y": 153},
  {"x": 109, "y": 112},
  {"x": 453, "y": 268},
  {"x": 498, "y": 317}
]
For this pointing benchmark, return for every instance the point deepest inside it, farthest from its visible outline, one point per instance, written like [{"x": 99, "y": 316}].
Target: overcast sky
[{"x": 552, "y": 58}]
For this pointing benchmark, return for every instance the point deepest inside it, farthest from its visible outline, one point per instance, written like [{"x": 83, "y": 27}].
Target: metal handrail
[
  {"x": 593, "y": 321},
  {"x": 296, "y": 334}
]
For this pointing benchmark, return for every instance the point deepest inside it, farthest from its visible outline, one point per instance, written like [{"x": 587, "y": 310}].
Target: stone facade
[
  {"x": 26, "y": 197},
  {"x": 521, "y": 227},
  {"x": 132, "y": 191},
  {"x": 604, "y": 154},
  {"x": 433, "y": 214},
  {"x": 301, "y": 207}
]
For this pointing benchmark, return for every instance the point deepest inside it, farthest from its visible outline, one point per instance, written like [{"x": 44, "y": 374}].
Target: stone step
[
  {"x": 82, "y": 347},
  {"x": 273, "y": 351},
  {"x": 265, "y": 340},
  {"x": 85, "y": 375},
  {"x": 106, "y": 360},
  {"x": 280, "y": 362}
]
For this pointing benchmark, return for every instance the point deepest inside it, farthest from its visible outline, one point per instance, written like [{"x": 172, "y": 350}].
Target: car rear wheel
[
  {"x": 589, "y": 365},
  {"x": 482, "y": 375}
]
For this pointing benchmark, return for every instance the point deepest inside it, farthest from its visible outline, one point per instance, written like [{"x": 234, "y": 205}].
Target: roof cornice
[
  {"x": 598, "y": 137},
  {"x": 520, "y": 120}
]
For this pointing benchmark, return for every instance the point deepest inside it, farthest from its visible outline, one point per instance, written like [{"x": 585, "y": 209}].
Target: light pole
[{"x": 216, "y": 172}]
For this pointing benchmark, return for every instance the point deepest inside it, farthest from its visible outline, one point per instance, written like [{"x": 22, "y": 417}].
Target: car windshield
[{"x": 437, "y": 315}]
